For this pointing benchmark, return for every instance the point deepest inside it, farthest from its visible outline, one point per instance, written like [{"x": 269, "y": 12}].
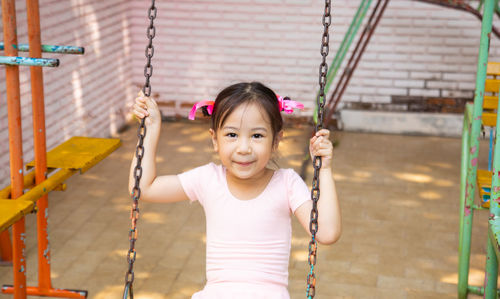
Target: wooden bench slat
[
  {"x": 80, "y": 153},
  {"x": 489, "y": 119},
  {"x": 490, "y": 102},
  {"x": 492, "y": 85},
  {"x": 11, "y": 210},
  {"x": 493, "y": 68}
]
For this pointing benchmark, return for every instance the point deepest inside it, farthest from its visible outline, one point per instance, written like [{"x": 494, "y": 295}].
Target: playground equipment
[
  {"x": 474, "y": 118},
  {"x": 319, "y": 117},
  {"x": 50, "y": 169},
  {"x": 364, "y": 39}
]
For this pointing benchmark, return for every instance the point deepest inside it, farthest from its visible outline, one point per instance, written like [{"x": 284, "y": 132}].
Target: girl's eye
[
  {"x": 232, "y": 135},
  {"x": 257, "y": 135}
]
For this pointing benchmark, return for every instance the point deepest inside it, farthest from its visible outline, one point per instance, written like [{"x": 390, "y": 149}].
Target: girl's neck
[{"x": 249, "y": 188}]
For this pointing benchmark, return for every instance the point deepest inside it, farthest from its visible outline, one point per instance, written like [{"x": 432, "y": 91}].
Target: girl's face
[{"x": 245, "y": 142}]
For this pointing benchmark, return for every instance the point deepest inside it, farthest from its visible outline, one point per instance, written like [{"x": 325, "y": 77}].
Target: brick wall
[
  {"x": 418, "y": 49},
  {"x": 202, "y": 46},
  {"x": 85, "y": 95}
]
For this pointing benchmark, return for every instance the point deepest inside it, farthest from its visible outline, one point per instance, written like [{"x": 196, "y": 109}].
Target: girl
[{"x": 247, "y": 205}]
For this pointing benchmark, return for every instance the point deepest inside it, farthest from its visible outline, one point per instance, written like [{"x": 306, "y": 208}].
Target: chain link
[
  {"x": 320, "y": 101},
  {"x": 139, "y": 154}
]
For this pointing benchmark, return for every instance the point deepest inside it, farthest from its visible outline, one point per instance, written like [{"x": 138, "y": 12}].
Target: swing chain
[
  {"x": 320, "y": 101},
  {"x": 139, "y": 153}
]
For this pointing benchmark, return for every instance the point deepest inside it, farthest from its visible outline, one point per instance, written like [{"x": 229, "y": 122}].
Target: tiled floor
[{"x": 399, "y": 198}]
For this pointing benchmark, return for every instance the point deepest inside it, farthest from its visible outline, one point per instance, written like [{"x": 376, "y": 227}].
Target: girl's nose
[{"x": 244, "y": 146}]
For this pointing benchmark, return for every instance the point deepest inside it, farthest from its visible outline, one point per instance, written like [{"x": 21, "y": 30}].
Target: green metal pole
[
  {"x": 465, "y": 232},
  {"x": 344, "y": 47},
  {"x": 347, "y": 41},
  {"x": 50, "y": 49},
  {"x": 466, "y": 215},
  {"x": 476, "y": 128},
  {"x": 491, "y": 275}
]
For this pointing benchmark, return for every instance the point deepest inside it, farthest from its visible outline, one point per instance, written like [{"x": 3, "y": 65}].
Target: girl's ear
[
  {"x": 279, "y": 137},
  {"x": 214, "y": 139}
]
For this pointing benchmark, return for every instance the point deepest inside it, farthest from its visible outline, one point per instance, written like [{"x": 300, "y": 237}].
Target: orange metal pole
[
  {"x": 15, "y": 144},
  {"x": 5, "y": 244},
  {"x": 5, "y": 247},
  {"x": 35, "y": 51}
]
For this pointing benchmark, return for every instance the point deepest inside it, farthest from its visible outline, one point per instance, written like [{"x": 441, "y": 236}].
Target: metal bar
[
  {"x": 461, "y": 5},
  {"x": 347, "y": 41},
  {"x": 28, "y": 61},
  {"x": 5, "y": 248},
  {"x": 371, "y": 29},
  {"x": 490, "y": 149},
  {"x": 355, "y": 58},
  {"x": 29, "y": 181},
  {"x": 15, "y": 145},
  {"x": 476, "y": 127},
  {"x": 48, "y": 185},
  {"x": 50, "y": 49},
  {"x": 40, "y": 148},
  {"x": 466, "y": 212},
  {"x": 59, "y": 293},
  {"x": 491, "y": 275},
  {"x": 345, "y": 45},
  {"x": 475, "y": 290},
  {"x": 349, "y": 69}
]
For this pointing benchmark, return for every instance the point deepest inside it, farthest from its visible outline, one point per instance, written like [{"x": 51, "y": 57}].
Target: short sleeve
[
  {"x": 194, "y": 181},
  {"x": 298, "y": 192}
]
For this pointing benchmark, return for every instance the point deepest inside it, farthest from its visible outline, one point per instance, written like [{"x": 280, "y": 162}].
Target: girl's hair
[{"x": 247, "y": 92}]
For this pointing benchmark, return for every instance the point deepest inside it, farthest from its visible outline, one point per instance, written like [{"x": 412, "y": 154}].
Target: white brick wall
[
  {"x": 202, "y": 46},
  {"x": 85, "y": 95}
]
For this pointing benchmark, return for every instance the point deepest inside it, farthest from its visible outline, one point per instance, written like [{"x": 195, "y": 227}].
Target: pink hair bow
[
  {"x": 208, "y": 104},
  {"x": 285, "y": 104},
  {"x": 288, "y": 105}
]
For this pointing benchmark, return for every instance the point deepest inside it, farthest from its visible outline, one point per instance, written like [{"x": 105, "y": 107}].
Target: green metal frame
[
  {"x": 470, "y": 151},
  {"x": 356, "y": 22}
]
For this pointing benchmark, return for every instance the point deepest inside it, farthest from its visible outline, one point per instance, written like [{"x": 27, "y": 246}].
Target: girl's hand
[
  {"x": 320, "y": 145},
  {"x": 145, "y": 106}
]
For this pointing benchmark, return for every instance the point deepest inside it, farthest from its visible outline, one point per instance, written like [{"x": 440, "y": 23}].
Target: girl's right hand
[{"x": 146, "y": 107}]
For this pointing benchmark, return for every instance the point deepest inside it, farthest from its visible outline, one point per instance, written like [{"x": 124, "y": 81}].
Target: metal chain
[
  {"x": 139, "y": 153},
  {"x": 320, "y": 101}
]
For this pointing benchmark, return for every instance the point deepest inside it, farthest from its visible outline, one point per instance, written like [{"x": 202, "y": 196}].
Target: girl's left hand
[{"x": 320, "y": 145}]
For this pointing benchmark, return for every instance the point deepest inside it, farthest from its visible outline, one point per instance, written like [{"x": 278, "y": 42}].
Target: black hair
[{"x": 235, "y": 95}]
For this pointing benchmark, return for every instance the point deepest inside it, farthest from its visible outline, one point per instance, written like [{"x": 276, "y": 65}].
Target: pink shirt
[{"x": 248, "y": 241}]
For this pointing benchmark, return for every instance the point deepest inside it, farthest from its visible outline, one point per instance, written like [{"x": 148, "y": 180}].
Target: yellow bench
[
  {"x": 12, "y": 211},
  {"x": 73, "y": 155},
  {"x": 489, "y": 119},
  {"x": 490, "y": 101},
  {"x": 484, "y": 186}
]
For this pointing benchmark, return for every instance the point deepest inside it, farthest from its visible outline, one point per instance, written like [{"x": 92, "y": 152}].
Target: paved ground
[{"x": 399, "y": 198}]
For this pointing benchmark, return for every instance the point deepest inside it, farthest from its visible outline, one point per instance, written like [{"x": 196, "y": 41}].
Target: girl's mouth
[{"x": 243, "y": 163}]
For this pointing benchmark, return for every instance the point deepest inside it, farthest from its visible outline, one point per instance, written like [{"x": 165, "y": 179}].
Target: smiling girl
[{"x": 248, "y": 206}]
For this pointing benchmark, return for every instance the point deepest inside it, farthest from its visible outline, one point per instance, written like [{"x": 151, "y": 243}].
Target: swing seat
[
  {"x": 13, "y": 210},
  {"x": 484, "y": 186}
]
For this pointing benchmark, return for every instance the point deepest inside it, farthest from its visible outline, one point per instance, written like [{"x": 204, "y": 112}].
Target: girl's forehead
[{"x": 248, "y": 114}]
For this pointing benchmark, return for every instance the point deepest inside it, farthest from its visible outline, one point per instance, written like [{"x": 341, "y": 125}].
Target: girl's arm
[
  {"x": 166, "y": 188},
  {"x": 329, "y": 218}
]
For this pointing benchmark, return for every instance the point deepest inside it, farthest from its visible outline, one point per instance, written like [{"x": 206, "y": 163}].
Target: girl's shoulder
[
  {"x": 208, "y": 170},
  {"x": 287, "y": 174}
]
